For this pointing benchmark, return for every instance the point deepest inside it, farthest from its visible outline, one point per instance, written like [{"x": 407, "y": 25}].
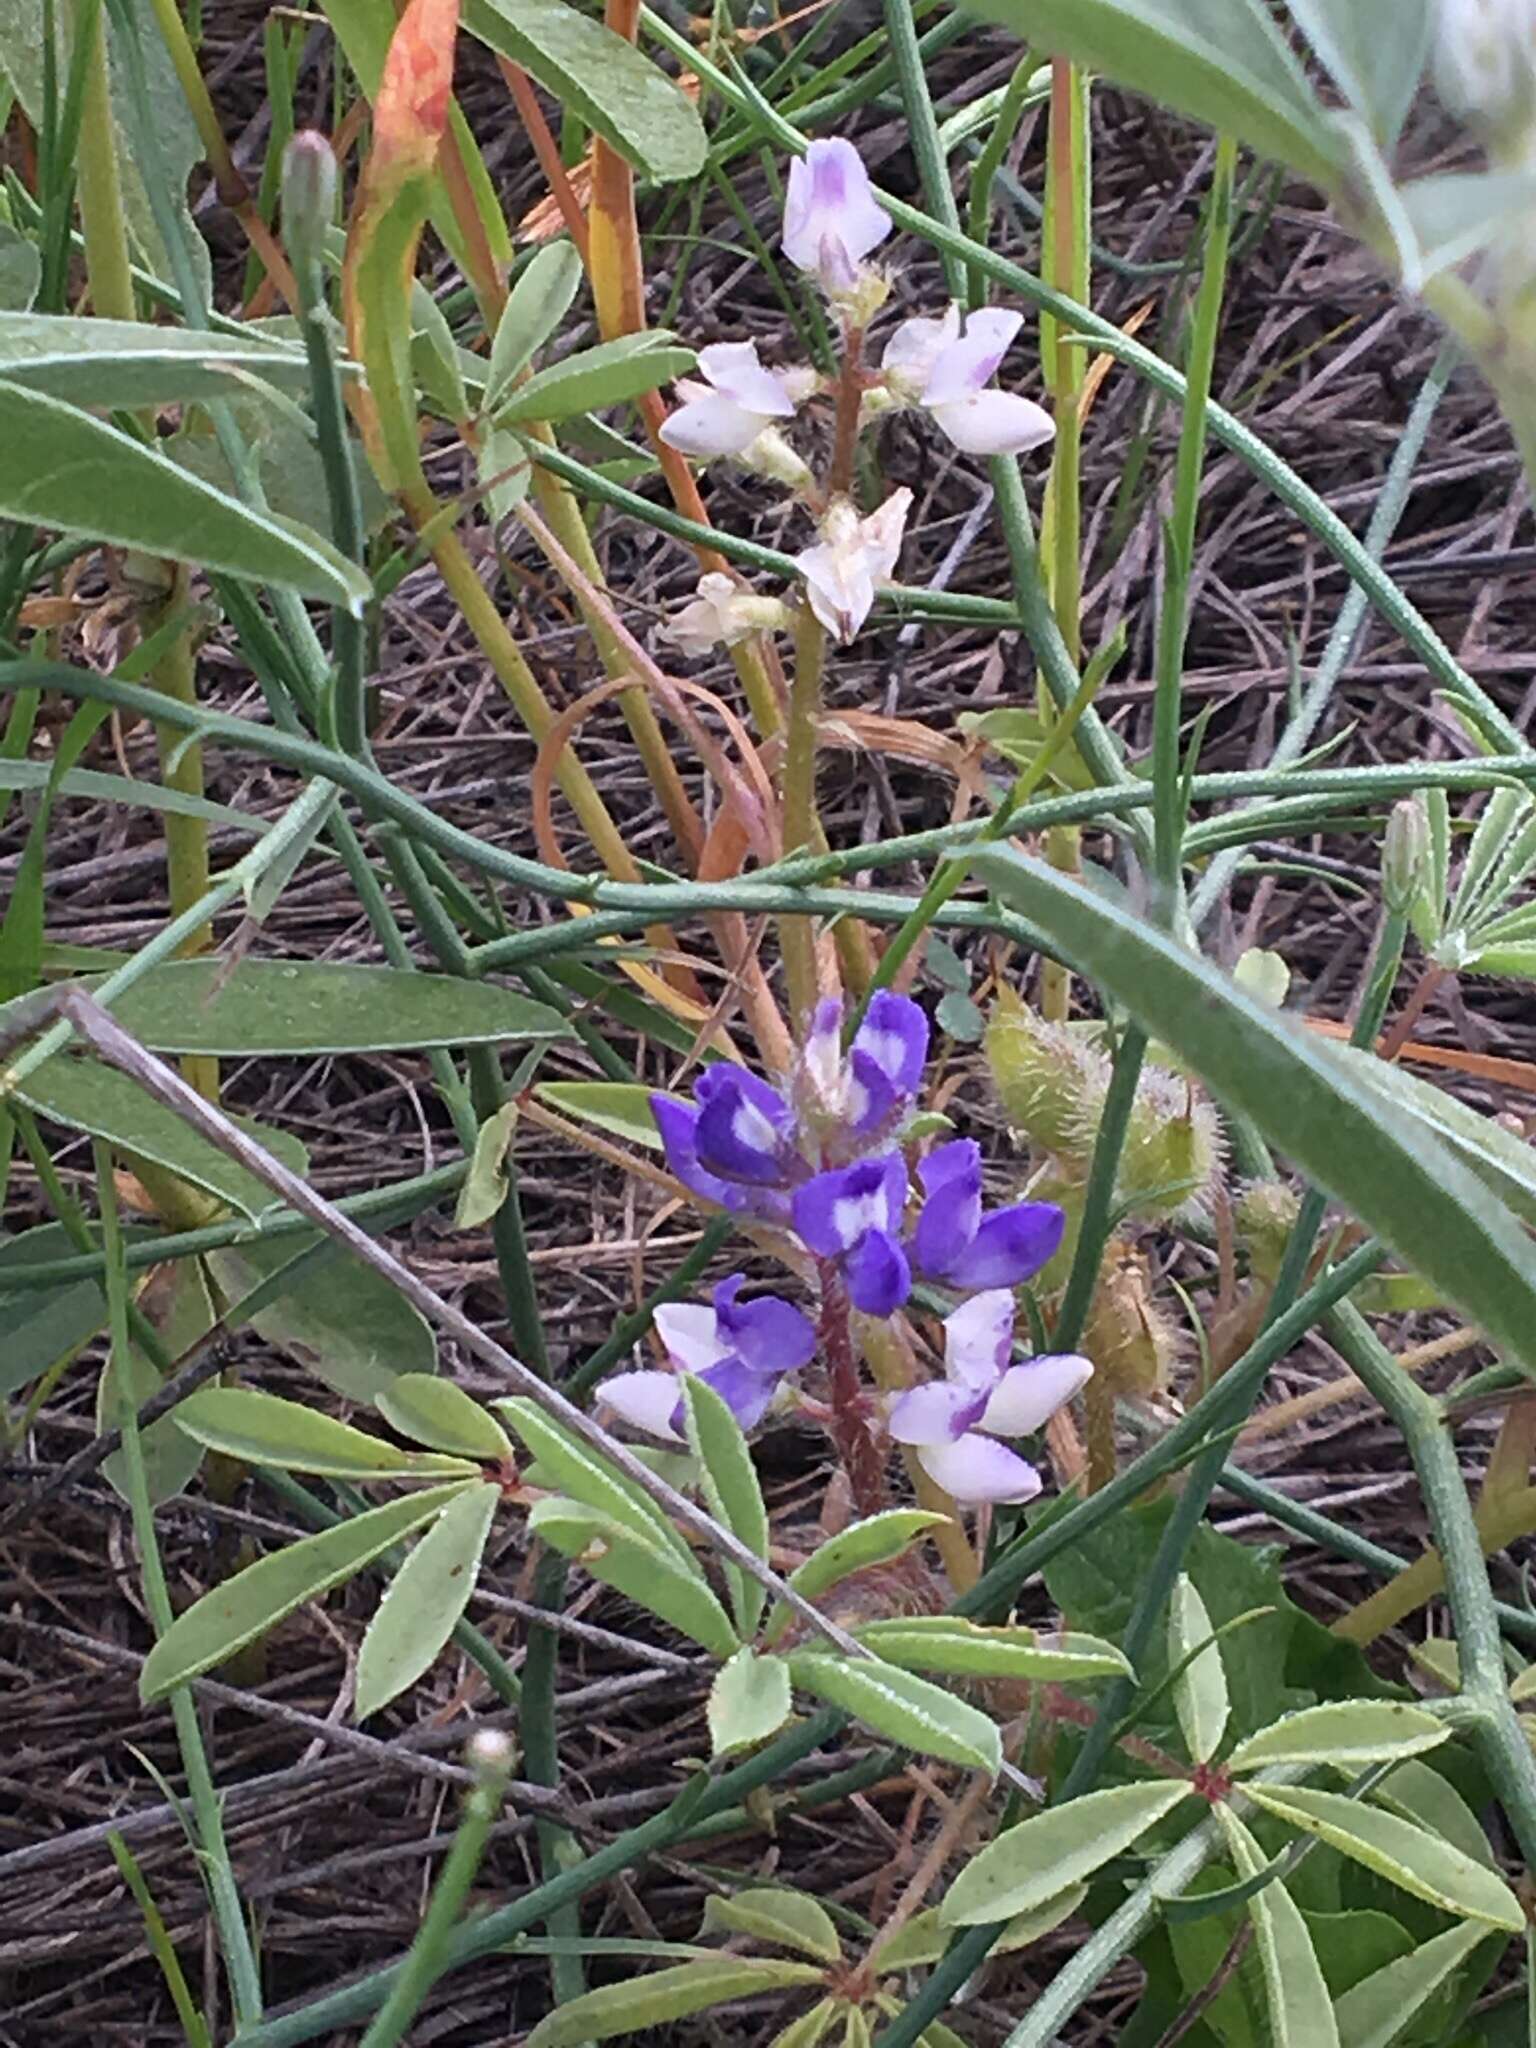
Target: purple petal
[
  {"x": 978, "y": 1338},
  {"x": 1011, "y": 1246},
  {"x": 645, "y": 1400},
  {"x": 1028, "y": 1395},
  {"x": 743, "y": 1127},
  {"x": 994, "y": 423},
  {"x": 879, "y": 1278},
  {"x": 951, "y": 1216},
  {"x": 768, "y": 1335},
  {"x": 831, "y": 217},
  {"x": 978, "y": 1468},
  {"x": 967, "y": 365},
  {"x": 679, "y": 1128},
  {"x": 834, "y": 1210},
  {"x": 894, "y": 1035},
  {"x": 733, "y": 369},
  {"x": 936, "y": 1413},
  {"x": 746, "y": 1393},
  {"x": 916, "y": 346},
  {"x": 873, "y": 1102},
  {"x": 691, "y": 1333}
]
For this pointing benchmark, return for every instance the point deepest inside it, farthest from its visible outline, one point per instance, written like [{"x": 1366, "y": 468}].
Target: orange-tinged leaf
[{"x": 410, "y": 111}]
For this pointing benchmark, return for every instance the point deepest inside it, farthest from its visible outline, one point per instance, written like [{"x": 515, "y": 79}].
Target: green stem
[
  {"x": 1099, "y": 1196},
  {"x": 989, "y": 162},
  {"x": 558, "y": 1847},
  {"x": 1179, "y": 545},
  {"x": 428, "y": 1955},
  {"x": 797, "y": 938},
  {"x": 101, "y": 192},
  {"x": 213, "y": 1851}
]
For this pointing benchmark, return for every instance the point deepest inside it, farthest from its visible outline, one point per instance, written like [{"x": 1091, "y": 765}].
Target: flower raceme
[
  {"x": 823, "y": 1160},
  {"x": 954, "y": 1424},
  {"x": 741, "y": 1349}
]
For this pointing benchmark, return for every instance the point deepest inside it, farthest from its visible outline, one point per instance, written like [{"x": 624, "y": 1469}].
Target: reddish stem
[
  {"x": 852, "y": 1422},
  {"x": 850, "y": 399}
]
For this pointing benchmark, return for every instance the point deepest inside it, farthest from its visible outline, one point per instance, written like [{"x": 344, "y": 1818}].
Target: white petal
[
  {"x": 935, "y": 1413},
  {"x": 915, "y": 347},
  {"x": 645, "y": 1400},
  {"x": 994, "y": 423},
  {"x": 969, "y": 363},
  {"x": 733, "y": 369},
  {"x": 711, "y": 426},
  {"x": 831, "y": 217},
  {"x": 1029, "y": 1395},
  {"x": 691, "y": 1333},
  {"x": 882, "y": 534},
  {"x": 839, "y": 587},
  {"x": 977, "y": 1337},
  {"x": 979, "y": 1469}
]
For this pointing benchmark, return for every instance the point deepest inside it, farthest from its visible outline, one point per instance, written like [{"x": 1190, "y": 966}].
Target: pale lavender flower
[
  {"x": 738, "y": 401},
  {"x": 741, "y": 1349},
  {"x": 933, "y": 364},
  {"x": 721, "y": 614},
  {"x": 831, "y": 216},
  {"x": 954, "y": 1424},
  {"x": 852, "y": 557}
]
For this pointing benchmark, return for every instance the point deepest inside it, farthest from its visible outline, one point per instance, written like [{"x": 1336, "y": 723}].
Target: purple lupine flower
[
  {"x": 932, "y": 364},
  {"x": 737, "y": 1147},
  {"x": 831, "y": 216},
  {"x": 959, "y": 1246},
  {"x": 860, "y": 1100},
  {"x": 736, "y": 402},
  {"x": 852, "y": 1217},
  {"x": 852, "y": 557},
  {"x": 742, "y": 1350},
  {"x": 954, "y": 1424}
]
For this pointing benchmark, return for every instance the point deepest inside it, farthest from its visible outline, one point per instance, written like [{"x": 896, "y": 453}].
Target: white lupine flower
[
  {"x": 842, "y": 569},
  {"x": 1485, "y": 68},
  {"x": 721, "y": 614},
  {"x": 738, "y": 401},
  {"x": 831, "y": 216},
  {"x": 932, "y": 363}
]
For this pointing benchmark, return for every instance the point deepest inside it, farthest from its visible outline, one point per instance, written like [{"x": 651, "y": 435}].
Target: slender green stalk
[
  {"x": 558, "y": 1847},
  {"x": 1179, "y": 545},
  {"x": 101, "y": 191},
  {"x": 984, "y": 172},
  {"x": 797, "y": 940},
  {"x": 1099, "y": 1196},
  {"x": 193, "y": 2025},
  {"x": 213, "y": 1852},
  {"x": 491, "y": 1757},
  {"x": 1496, "y": 1729},
  {"x": 923, "y": 133}
]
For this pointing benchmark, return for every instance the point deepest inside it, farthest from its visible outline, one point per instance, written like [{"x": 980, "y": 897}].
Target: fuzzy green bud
[
  {"x": 1263, "y": 1217},
  {"x": 1405, "y": 856},
  {"x": 1172, "y": 1154},
  {"x": 1050, "y": 1081},
  {"x": 309, "y": 197}
]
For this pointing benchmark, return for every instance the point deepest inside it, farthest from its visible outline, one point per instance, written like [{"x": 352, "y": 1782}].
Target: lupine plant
[{"x": 1006, "y": 1194}]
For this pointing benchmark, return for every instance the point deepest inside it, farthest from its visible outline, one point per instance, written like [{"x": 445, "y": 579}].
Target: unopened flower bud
[
  {"x": 309, "y": 197},
  {"x": 722, "y": 614},
  {"x": 770, "y": 455},
  {"x": 1405, "y": 856},
  {"x": 1263, "y": 1217},
  {"x": 832, "y": 220},
  {"x": 1131, "y": 1339},
  {"x": 1485, "y": 70},
  {"x": 490, "y": 1753},
  {"x": 1172, "y": 1152}
]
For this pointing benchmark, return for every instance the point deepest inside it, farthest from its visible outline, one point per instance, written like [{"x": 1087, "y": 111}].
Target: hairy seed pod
[
  {"x": 1263, "y": 1218},
  {"x": 1172, "y": 1156},
  {"x": 1133, "y": 1342},
  {"x": 1050, "y": 1081}
]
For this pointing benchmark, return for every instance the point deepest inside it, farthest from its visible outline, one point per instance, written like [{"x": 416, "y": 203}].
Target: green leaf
[
  {"x": 264, "y": 1429},
  {"x": 183, "y": 1317},
  {"x": 665, "y": 1996},
  {"x": 948, "y": 1643},
  {"x": 1420, "y": 1794},
  {"x": 903, "y": 1708},
  {"x": 21, "y": 271},
  {"x": 67, "y": 470},
  {"x": 622, "y": 1107},
  {"x": 791, "y": 1919},
  {"x": 1222, "y": 62},
  {"x": 1300, "y": 2010},
  {"x": 1504, "y": 1163},
  {"x": 255, "y": 1599},
  {"x": 125, "y": 363},
  {"x": 731, "y": 1490},
  {"x": 435, "y": 1412},
  {"x": 1401, "y": 1184},
  {"x": 540, "y": 300},
  {"x": 273, "y": 1008},
  {"x": 874, "y": 1541},
  {"x": 602, "y": 79},
  {"x": 337, "y": 1317},
  {"x": 1397, "y": 1850},
  {"x": 637, "y": 1567},
  {"x": 1374, "y": 51},
  {"x": 505, "y": 470},
  {"x": 44, "y": 1324},
  {"x": 1200, "y": 1691},
  {"x": 94, "y": 787},
  {"x": 748, "y": 1702},
  {"x": 811, "y": 2028},
  {"x": 485, "y": 1185},
  {"x": 86, "y": 1096},
  {"x": 1455, "y": 215},
  {"x": 609, "y": 374},
  {"x": 289, "y": 467},
  {"x": 590, "y": 1479},
  {"x": 1044, "y": 1854},
  {"x": 1348, "y": 1733},
  {"x": 1375, "y": 2012},
  {"x": 925, "y": 1937},
  {"x": 424, "y": 1600}
]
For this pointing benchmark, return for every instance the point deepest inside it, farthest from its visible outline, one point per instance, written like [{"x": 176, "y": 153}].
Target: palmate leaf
[
  {"x": 590, "y": 1479},
  {"x": 1400, "y": 1182},
  {"x": 903, "y": 1707},
  {"x": 1349, "y": 1734},
  {"x": 634, "y": 1564},
  {"x": 791, "y": 1919},
  {"x": 960, "y": 1648},
  {"x": 264, "y": 1429},
  {"x": 435, "y": 1412}
]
